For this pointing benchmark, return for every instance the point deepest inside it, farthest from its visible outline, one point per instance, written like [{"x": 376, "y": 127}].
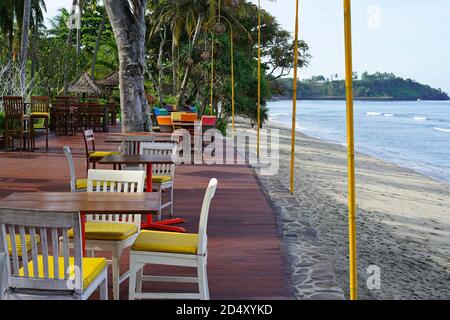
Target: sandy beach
[{"x": 403, "y": 221}]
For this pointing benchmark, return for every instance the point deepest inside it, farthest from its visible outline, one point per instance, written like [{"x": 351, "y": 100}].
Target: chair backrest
[
  {"x": 165, "y": 123},
  {"x": 40, "y": 104},
  {"x": 88, "y": 136},
  {"x": 209, "y": 121},
  {"x": 161, "y": 112},
  {"x": 193, "y": 109},
  {"x": 73, "y": 177},
  {"x": 150, "y": 99},
  {"x": 176, "y": 116},
  {"x": 66, "y": 101},
  {"x": 51, "y": 269},
  {"x": 160, "y": 148},
  {"x": 115, "y": 181},
  {"x": 188, "y": 117},
  {"x": 3, "y": 274},
  {"x": 13, "y": 107},
  {"x": 202, "y": 238}
]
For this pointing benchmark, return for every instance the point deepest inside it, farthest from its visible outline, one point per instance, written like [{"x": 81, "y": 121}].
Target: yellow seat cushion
[
  {"x": 161, "y": 179},
  {"x": 108, "y": 231},
  {"x": 101, "y": 154},
  {"x": 19, "y": 243},
  {"x": 92, "y": 267},
  {"x": 81, "y": 184},
  {"x": 176, "y": 116},
  {"x": 170, "y": 242},
  {"x": 40, "y": 114}
]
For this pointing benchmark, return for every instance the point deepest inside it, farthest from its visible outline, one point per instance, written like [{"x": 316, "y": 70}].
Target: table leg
[
  {"x": 160, "y": 225},
  {"x": 83, "y": 232}
]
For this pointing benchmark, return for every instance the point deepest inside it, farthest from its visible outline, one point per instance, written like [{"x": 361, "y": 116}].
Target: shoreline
[
  {"x": 403, "y": 223},
  {"x": 373, "y": 99},
  {"x": 404, "y": 166}
]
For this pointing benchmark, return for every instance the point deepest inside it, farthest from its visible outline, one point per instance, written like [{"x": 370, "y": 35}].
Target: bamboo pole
[
  {"x": 259, "y": 81},
  {"x": 294, "y": 101},
  {"x": 232, "y": 77},
  {"x": 212, "y": 76},
  {"x": 351, "y": 152}
]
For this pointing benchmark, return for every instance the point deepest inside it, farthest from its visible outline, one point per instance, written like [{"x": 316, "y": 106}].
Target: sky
[{"x": 409, "y": 38}]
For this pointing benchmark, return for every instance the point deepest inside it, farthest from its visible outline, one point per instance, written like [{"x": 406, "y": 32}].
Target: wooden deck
[{"x": 245, "y": 256}]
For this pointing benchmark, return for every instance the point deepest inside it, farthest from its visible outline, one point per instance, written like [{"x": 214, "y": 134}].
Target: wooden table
[
  {"x": 146, "y": 160},
  {"x": 85, "y": 203},
  {"x": 145, "y": 137},
  {"x": 136, "y": 138}
]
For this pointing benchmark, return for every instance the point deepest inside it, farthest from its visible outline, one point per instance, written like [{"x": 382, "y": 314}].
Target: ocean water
[{"x": 415, "y": 135}]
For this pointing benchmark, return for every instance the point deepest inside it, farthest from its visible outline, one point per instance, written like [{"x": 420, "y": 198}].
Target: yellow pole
[
  {"x": 294, "y": 101},
  {"x": 212, "y": 74},
  {"x": 351, "y": 151},
  {"x": 232, "y": 76},
  {"x": 259, "y": 80}
]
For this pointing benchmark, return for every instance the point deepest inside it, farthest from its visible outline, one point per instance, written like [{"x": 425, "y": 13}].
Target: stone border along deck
[{"x": 310, "y": 271}]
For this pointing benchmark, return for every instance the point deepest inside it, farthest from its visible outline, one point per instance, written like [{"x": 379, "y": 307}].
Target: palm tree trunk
[
  {"x": 80, "y": 5},
  {"x": 161, "y": 67},
  {"x": 175, "y": 64},
  {"x": 72, "y": 23},
  {"x": 128, "y": 25},
  {"x": 33, "y": 54},
  {"x": 187, "y": 73},
  {"x": 24, "y": 45},
  {"x": 97, "y": 46}
]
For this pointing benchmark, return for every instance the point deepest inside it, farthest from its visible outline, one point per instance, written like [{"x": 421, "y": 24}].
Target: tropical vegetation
[{"x": 175, "y": 50}]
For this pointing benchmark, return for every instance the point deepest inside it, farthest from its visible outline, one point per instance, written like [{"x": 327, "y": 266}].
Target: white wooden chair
[
  {"x": 48, "y": 275},
  {"x": 3, "y": 274},
  {"x": 163, "y": 175},
  {"x": 175, "y": 249},
  {"x": 113, "y": 233},
  {"x": 76, "y": 185}
]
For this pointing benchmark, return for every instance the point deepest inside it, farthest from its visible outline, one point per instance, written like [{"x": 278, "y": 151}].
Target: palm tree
[
  {"x": 94, "y": 6},
  {"x": 182, "y": 17},
  {"x": 69, "y": 43},
  {"x": 24, "y": 46},
  {"x": 7, "y": 18},
  {"x": 37, "y": 22},
  {"x": 11, "y": 19},
  {"x": 127, "y": 18},
  {"x": 205, "y": 9}
]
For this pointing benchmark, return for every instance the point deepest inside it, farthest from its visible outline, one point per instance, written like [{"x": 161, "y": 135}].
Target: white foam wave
[
  {"x": 420, "y": 118},
  {"x": 279, "y": 114},
  {"x": 389, "y": 114},
  {"x": 374, "y": 113},
  {"x": 299, "y": 127},
  {"x": 442, "y": 129}
]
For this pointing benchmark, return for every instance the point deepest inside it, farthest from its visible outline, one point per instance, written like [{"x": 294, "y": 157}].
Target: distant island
[{"x": 377, "y": 86}]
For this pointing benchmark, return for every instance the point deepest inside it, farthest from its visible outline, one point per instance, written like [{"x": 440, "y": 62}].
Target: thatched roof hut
[
  {"x": 84, "y": 84},
  {"x": 111, "y": 80}
]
